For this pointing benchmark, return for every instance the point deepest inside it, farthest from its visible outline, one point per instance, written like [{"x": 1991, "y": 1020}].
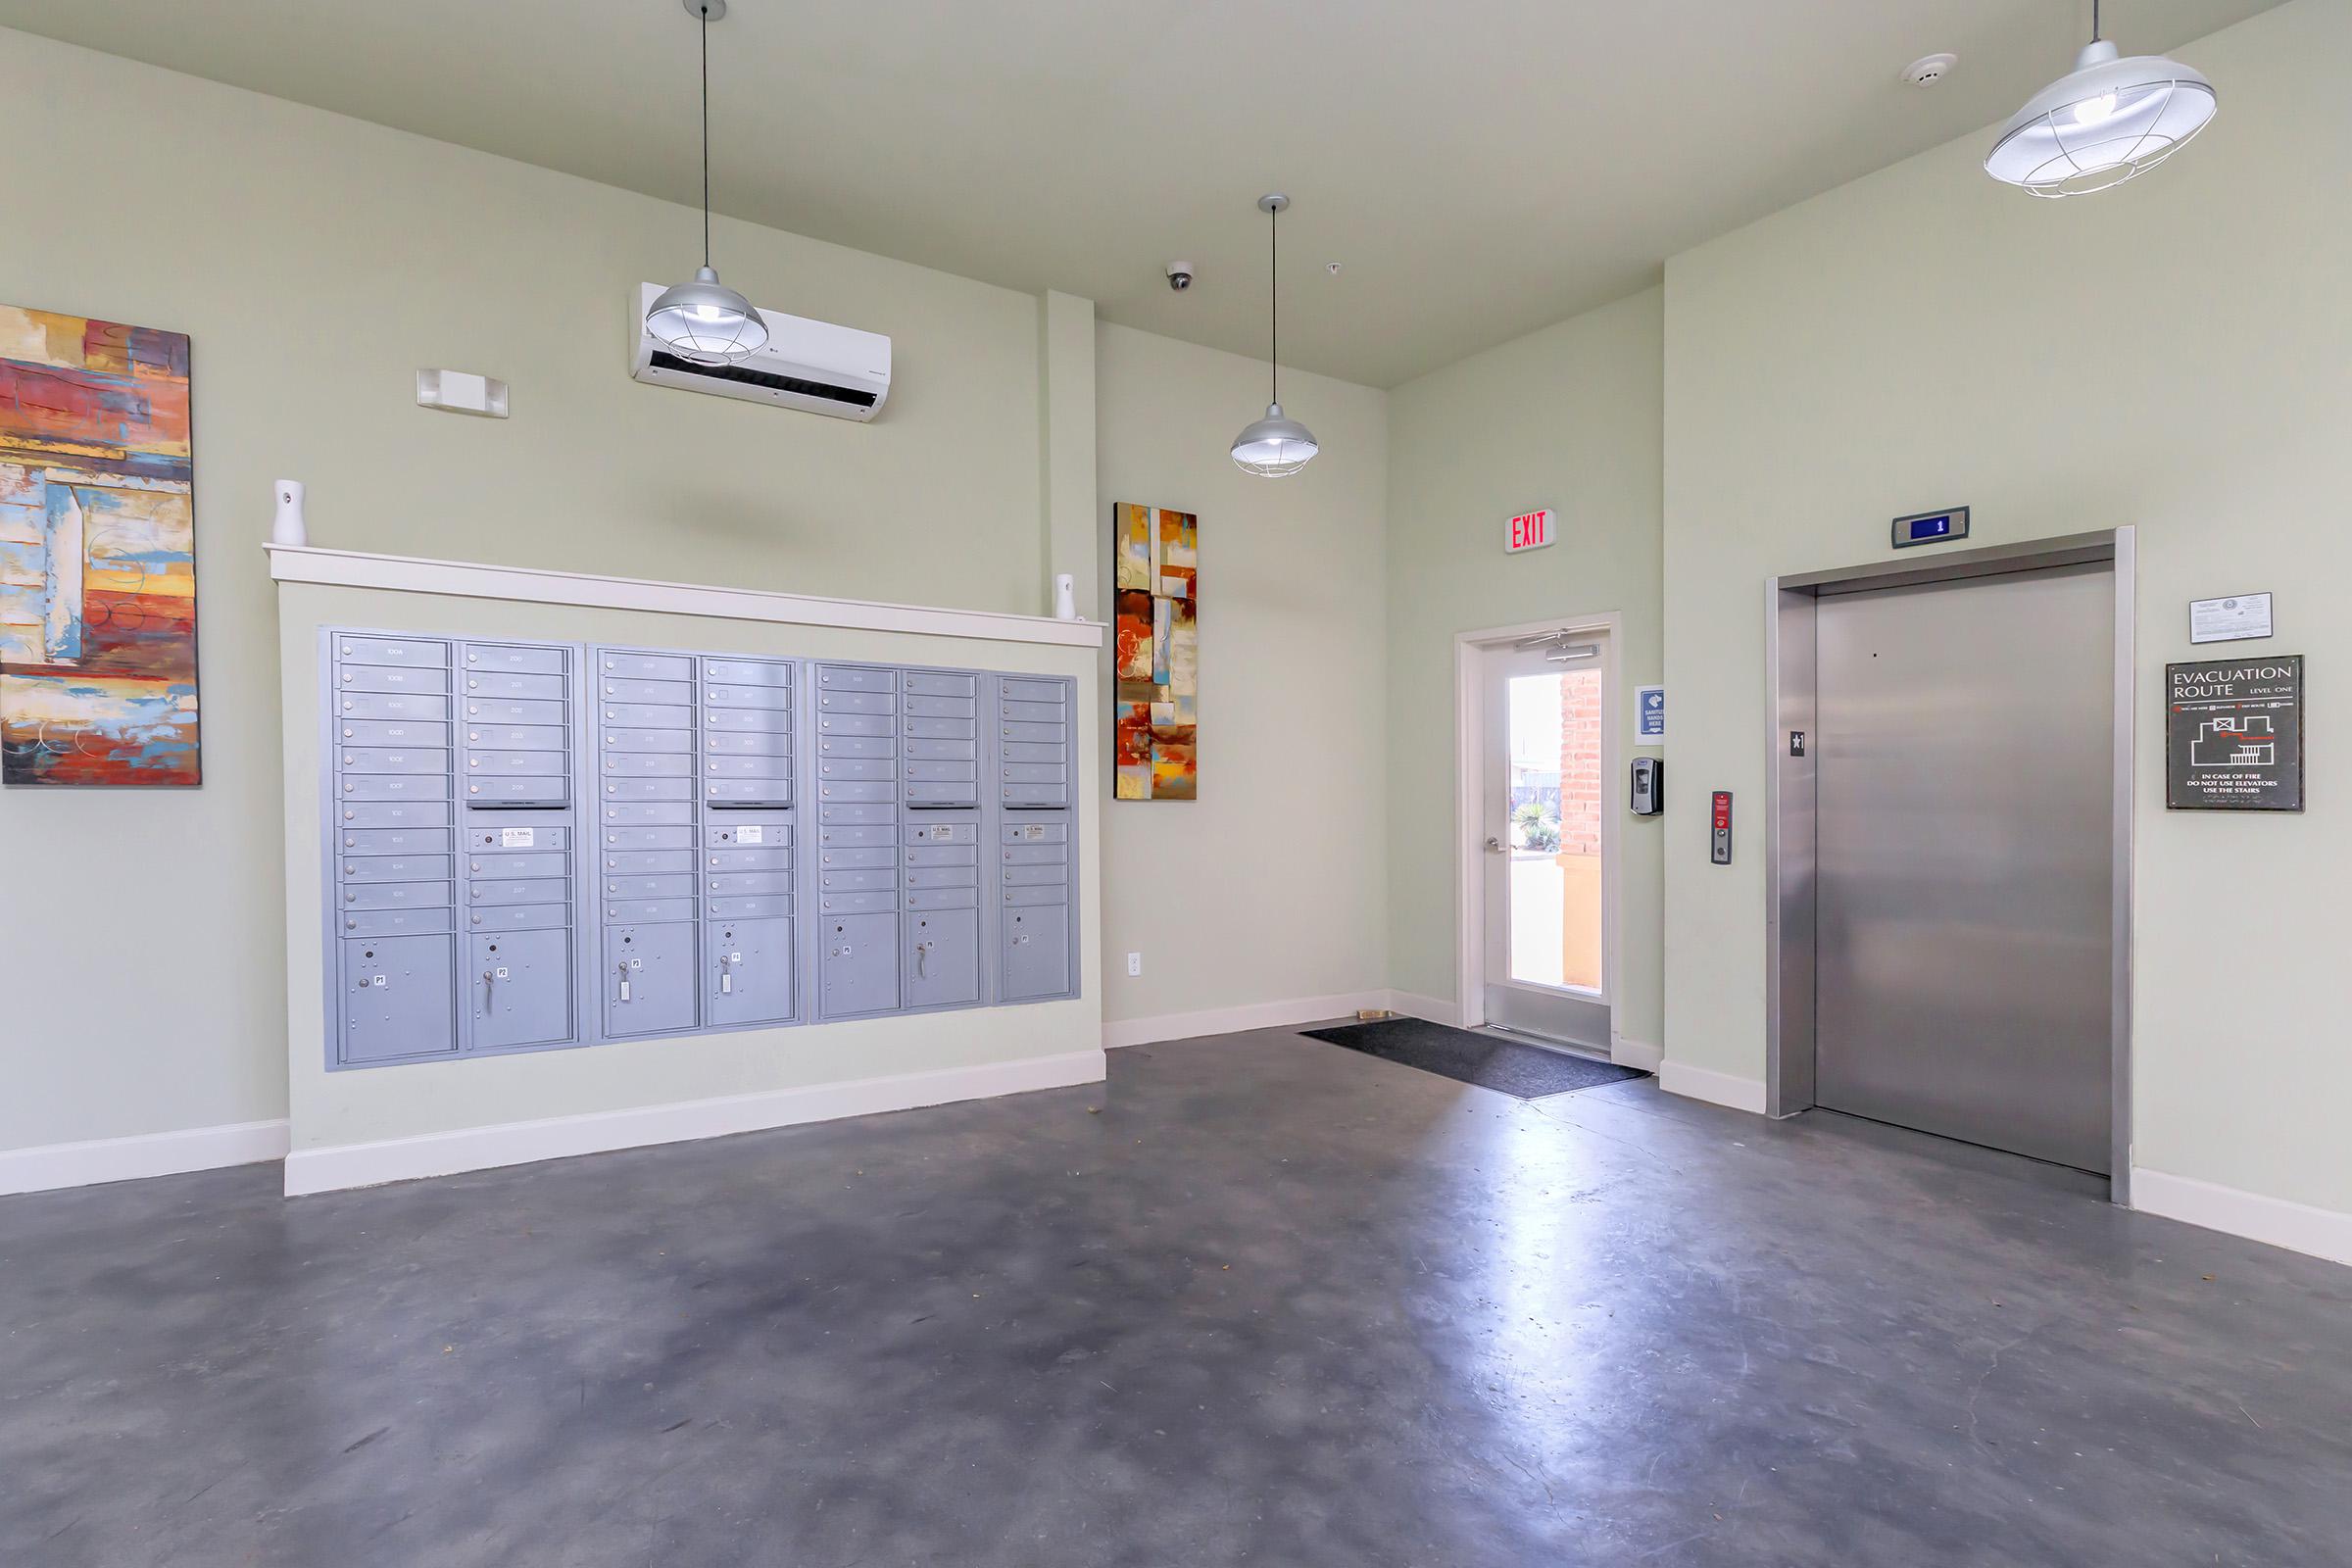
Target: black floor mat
[{"x": 1489, "y": 1061}]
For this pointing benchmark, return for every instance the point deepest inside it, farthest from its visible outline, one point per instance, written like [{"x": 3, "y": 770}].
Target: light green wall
[
  {"x": 1270, "y": 886},
  {"x": 1568, "y": 417},
  {"x": 2171, "y": 355},
  {"x": 318, "y": 263}
]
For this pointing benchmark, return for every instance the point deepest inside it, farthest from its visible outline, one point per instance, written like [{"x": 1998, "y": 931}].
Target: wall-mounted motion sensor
[{"x": 1180, "y": 275}]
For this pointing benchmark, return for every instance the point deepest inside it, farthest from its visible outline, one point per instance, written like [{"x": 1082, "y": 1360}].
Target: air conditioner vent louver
[{"x": 743, "y": 376}]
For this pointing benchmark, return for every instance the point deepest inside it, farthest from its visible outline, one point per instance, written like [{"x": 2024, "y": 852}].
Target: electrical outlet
[{"x": 1135, "y": 964}]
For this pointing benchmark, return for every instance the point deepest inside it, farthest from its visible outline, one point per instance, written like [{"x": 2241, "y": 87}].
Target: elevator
[{"x": 1948, "y": 859}]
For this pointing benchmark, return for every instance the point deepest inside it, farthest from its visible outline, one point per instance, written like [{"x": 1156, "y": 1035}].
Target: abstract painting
[
  {"x": 97, "y": 554},
  {"x": 1155, "y": 712}
]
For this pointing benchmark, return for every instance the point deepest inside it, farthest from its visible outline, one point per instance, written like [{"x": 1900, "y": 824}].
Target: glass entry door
[{"x": 1545, "y": 794}]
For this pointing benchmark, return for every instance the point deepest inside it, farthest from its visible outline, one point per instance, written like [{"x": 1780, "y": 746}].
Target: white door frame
[{"x": 1469, "y": 837}]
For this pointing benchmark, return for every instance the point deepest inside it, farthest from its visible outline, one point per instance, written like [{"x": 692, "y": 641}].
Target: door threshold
[{"x": 1566, "y": 1048}]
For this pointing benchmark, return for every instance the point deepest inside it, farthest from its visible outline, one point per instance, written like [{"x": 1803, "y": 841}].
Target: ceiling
[{"x": 1482, "y": 168}]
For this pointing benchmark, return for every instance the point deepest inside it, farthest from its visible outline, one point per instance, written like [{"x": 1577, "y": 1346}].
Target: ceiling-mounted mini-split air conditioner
[{"x": 813, "y": 365}]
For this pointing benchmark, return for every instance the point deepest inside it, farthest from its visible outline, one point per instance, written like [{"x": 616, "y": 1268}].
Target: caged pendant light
[
  {"x": 703, "y": 321},
  {"x": 2109, "y": 120},
  {"x": 1276, "y": 445}
]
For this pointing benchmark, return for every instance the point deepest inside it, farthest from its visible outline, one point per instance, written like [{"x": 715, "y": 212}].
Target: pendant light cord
[
  {"x": 2094, "y": 21},
  {"x": 704, "y": 13},
  {"x": 1274, "y": 301}
]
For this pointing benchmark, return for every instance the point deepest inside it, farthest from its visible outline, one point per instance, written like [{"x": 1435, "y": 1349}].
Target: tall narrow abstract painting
[
  {"x": 97, "y": 554},
  {"x": 1155, "y": 713}
]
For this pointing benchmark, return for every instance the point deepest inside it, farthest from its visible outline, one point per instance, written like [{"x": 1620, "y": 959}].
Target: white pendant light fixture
[
  {"x": 705, "y": 321},
  {"x": 1276, "y": 445},
  {"x": 2109, "y": 120}
]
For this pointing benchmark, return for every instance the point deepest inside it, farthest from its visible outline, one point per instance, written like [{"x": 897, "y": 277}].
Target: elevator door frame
[{"x": 1792, "y": 685}]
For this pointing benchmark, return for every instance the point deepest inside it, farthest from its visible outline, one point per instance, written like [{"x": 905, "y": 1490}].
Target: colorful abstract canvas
[
  {"x": 1155, "y": 710},
  {"x": 97, "y": 554}
]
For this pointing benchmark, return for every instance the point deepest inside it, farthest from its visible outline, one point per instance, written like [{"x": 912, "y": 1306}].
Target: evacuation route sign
[{"x": 2234, "y": 735}]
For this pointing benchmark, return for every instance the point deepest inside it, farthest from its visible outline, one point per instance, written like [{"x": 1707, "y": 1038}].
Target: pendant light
[
  {"x": 705, "y": 321},
  {"x": 2109, "y": 120},
  {"x": 1276, "y": 445}
]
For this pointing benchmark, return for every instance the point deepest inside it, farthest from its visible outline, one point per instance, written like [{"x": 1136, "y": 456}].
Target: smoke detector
[{"x": 1929, "y": 70}]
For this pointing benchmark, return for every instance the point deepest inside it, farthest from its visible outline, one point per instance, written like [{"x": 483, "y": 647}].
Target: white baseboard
[
  {"x": 521, "y": 1142},
  {"x": 1638, "y": 1055},
  {"x": 129, "y": 1160},
  {"x": 2279, "y": 1221},
  {"x": 1230, "y": 1020},
  {"x": 1435, "y": 1010},
  {"x": 1717, "y": 1087}
]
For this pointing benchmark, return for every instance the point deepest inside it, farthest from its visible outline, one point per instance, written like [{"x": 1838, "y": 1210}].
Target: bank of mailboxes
[{"x": 543, "y": 845}]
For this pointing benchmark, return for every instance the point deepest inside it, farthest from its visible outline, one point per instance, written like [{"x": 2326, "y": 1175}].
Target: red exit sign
[{"x": 1530, "y": 530}]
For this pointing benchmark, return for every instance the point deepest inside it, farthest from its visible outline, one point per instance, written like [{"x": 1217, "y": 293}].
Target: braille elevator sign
[{"x": 2234, "y": 735}]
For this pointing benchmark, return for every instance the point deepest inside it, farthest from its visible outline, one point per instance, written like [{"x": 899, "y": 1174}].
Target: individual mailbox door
[
  {"x": 494, "y": 685},
  {"x": 645, "y": 764},
  {"x": 750, "y": 967},
  {"x": 1035, "y": 954},
  {"x": 513, "y": 661},
  {"x": 389, "y": 705},
  {"x": 506, "y": 712},
  {"x": 943, "y": 957},
  {"x": 649, "y": 980},
  {"x": 859, "y": 964},
  {"x": 412, "y": 651},
  {"x": 498, "y": 864},
  {"x": 398, "y": 999},
  {"x": 393, "y": 732},
  {"x": 522, "y": 988}
]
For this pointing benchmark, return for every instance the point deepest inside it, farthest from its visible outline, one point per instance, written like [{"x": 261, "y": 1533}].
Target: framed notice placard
[{"x": 2234, "y": 735}]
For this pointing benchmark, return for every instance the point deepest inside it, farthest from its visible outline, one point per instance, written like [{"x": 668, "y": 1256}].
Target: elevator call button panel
[
  {"x": 534, "y": 846},
  {"x": 1719, "y": 829}
]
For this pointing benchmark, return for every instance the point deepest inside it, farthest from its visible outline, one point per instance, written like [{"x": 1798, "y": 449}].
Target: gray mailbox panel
[
  {"x": 858, "y": 964},
  {"x": 1033, "y": 782},
  {"x": 751, "y": 966},
  {"x": 1035, "y": 954},
  {"x": 943, "y": 957},
  {"x": 650, "y": 983},
  {"x": 938, "y": 870},
  {"x": 396, "y": 999},
  {"x": 523, "y": 987}
]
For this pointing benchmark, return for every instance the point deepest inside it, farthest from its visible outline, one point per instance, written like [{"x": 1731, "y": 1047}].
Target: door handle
[{"x": 1495, "y": 846}]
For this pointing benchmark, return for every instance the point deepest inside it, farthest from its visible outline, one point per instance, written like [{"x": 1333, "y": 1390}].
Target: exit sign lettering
[{"x": 1530, "y": 530}]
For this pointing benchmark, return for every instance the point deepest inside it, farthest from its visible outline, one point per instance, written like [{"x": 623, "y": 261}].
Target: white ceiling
[{"x": 1481, "y": 166}]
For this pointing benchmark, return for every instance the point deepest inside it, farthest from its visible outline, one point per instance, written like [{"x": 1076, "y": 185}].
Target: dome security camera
[{"x": 1180, "y": 275}]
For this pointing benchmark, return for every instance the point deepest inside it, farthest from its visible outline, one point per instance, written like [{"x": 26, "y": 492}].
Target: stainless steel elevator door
[{"x": 1966, "y": 773}]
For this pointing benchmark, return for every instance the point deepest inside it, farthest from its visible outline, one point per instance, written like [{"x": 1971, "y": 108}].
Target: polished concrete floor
[{"x": 1274, "y": 1302}]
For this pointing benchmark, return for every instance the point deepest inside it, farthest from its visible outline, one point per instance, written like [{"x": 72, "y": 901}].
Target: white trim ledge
[
  {"x": 1716, "y": 1088},
  {"x": 358, "y": 568},
  {"x": 48, "y": 1166},
  {"x": 2277, "y": 1221},
  {"x": 1232, "y": 1020},
  {"x": 524, "y": 1143}
]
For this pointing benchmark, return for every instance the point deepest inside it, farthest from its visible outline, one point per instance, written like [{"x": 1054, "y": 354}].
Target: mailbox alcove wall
[{"x": 431, "y": 1111}]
